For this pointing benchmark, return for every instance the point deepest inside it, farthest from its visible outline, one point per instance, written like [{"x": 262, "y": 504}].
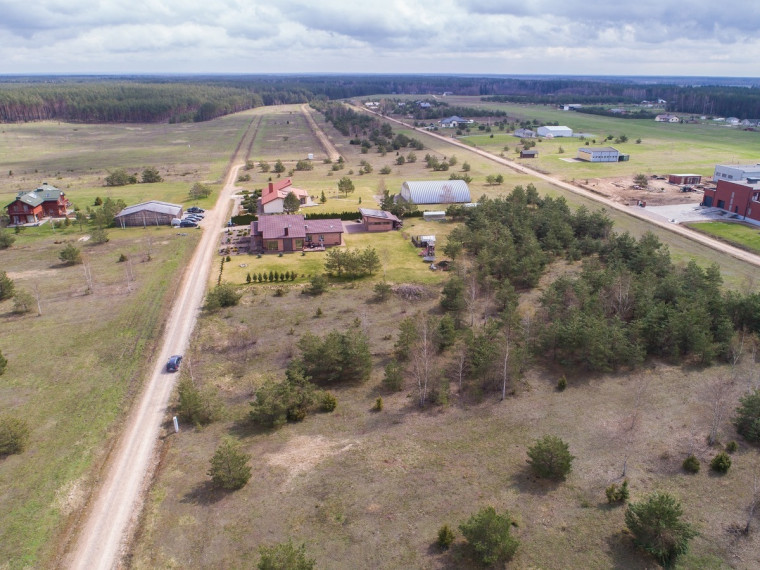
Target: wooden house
[{"x": 32, "y": 207}]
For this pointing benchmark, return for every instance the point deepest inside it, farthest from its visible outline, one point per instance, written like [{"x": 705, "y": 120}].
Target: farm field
[
  {"x": 371, "y": 489},
  {"x": 744, "y": 235},
  {"x": 73, "y": 370}
]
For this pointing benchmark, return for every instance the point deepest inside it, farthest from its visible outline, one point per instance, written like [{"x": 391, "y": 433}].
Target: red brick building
[
  {"x": 32, "y": 207},
  {"x": 742, "y": 198},
  {"x": 379, "y": 220},
  {"x": 292, "y": 232},
  {"x": 684, "y": 178}
]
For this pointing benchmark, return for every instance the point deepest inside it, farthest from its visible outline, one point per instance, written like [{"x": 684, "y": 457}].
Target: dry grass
[{"x": 366, "y": 489}]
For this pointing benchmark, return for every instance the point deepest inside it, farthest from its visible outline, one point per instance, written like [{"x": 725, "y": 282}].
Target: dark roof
[
  {"x": 369, "y": 213},
  {"x": 273, "y": 227},
  {"x": 330, "y": 226},
  {"x": 45, "y": 193}
]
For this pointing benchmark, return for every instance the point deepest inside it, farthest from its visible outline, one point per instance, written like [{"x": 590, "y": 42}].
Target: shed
[
  {"x": 554, "y": 131},
  {"x": 684, "y": 178},
  {"x": 153, "y": 213},
  {"x": 528, "y": 153},
  {"x": 379, "y": 220},
  {"x": 434, "y": 215},
  {"x": 436, "y": 192},
  {"x": 598, "y": 154}
]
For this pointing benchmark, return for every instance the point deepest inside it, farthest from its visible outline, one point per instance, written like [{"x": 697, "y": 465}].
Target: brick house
[
  {"x": 291, "y": 232},
  {"x": 684, "y": 178},
  {"x": 32, "y": 207},
  {"x": 742, "y": 198}
]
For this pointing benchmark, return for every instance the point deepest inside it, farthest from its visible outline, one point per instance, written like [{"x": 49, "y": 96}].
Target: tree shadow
[
  {"x": 625, "y": 555},
  {"x": 525, "y": 481},
  {"x": 204, "y": 494}
]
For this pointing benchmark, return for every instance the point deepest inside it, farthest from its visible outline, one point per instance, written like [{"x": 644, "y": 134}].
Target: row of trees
[
  {"x": 120, "y": 177},
  {"x": 352, "y": 263}
]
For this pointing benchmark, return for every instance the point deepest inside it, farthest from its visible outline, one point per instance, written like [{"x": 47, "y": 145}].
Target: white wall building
[
  {"x": 736, "y": 172},
  {"x": 551, "y": 131}
]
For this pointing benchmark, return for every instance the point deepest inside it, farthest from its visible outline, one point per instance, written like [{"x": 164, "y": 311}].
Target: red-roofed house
[
  {"x": 291, "y": 232},
  {"x": 273, "y": 197}
]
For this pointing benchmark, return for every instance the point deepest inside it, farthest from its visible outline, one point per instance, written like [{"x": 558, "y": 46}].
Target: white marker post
[{"x": 176, "y": 425}]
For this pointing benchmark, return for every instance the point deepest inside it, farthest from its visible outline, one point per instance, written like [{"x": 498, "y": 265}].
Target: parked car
[
  {"x": 188, "y": 224},
  {"x": 173, "y": 364},
  {"x": 195, "y": 210}
]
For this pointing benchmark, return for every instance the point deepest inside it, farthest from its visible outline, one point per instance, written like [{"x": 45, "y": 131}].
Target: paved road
[
  {"x": 630, "y": 210},
  {"x": 104, "y": 536}
]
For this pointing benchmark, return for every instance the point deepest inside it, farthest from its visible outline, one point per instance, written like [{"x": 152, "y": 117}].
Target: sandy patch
[
  {"x": 70, "y": 497},
  {"x": 623, "y": 189},
  {"x": 303, "y": 453},
  {"x": 84, "y": 238},
  {"x": 31, "y": 273}
]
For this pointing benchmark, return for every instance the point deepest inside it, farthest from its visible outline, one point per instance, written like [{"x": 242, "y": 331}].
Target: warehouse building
[
  {"x": 436, "y": 192},
  {"x": 153, "y": 213}
]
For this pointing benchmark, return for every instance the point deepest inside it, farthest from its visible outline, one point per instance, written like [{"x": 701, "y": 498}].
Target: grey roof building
[
  {"x": 436, "y": 192},
  {"x": 153, "y": 213}
]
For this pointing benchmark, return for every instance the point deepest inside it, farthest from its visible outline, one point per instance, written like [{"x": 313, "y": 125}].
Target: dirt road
[
  {"x": 116, "y": 506},
  {"x": 630, "y": 210},
  {"x": 331, "y": 151}
]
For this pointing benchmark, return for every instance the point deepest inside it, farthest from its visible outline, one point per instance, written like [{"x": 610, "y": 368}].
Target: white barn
[
  {"x": 551, "y": 131},
  {"x": 436, "y": 192}
]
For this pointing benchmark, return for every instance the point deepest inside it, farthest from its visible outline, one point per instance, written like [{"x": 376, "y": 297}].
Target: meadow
[{"x": 745, "y": 236}]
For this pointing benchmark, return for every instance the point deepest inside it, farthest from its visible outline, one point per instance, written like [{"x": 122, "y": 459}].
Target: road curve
[
  {"x": 718, "y": 245},
  {"x": 102, "y": 540}
]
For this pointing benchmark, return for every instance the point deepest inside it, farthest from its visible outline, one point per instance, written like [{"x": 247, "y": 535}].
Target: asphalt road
[{"x": 111, "y": 519}]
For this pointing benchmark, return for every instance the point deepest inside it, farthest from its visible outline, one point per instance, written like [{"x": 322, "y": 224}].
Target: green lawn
[{"x": 742, "y": 235}]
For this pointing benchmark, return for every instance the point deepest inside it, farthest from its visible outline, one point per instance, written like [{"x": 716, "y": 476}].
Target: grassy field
[
  {"x": 74, "y": 369},
  {"x": 370, "y": 490},
  {"x": 77, "y": 158},
  {"x": 665, "y": 148},
  {"x": 284, "y": 134},
  {"x": 742, "y": 235}
]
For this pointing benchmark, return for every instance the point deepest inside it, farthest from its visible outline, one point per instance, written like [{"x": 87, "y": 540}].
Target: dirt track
[
  {"x": 735, "y": 252},
  {"x": 331, "y": 151},
  {"x": 115, "y": 507}
]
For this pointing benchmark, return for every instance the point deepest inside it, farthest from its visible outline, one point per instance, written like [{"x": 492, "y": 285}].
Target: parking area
[{"x": 680, "y": 213}]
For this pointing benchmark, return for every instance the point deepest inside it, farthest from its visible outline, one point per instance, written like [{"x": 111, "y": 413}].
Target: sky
[{"x": 559, "y": 37}]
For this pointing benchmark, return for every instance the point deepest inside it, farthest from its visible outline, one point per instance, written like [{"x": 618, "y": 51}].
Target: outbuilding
[
  {"x": 684, "y": 178},
  {"x": 598, "y": 154},
  {"x": 436, "y": 192},
  {"x": 153, "y": 213},
  {"x": 529, "y": 153},
  {"x": 554, "y": 131},
  {"x": 379, "y": 220}
]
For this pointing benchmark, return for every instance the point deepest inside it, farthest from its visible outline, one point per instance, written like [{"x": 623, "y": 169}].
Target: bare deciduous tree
[
  {"x": 423, "y": 354},
  {"x": 632, "y": 421},
  {"x": 754, "y": 502},
  {"x": 717, "y": 395}
]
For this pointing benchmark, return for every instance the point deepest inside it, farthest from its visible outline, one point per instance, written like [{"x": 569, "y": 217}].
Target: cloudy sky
[{"x": 593, "y": 37}]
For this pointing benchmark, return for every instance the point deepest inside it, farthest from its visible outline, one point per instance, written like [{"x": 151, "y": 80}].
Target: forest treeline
[{"x": 200, "y": 98}]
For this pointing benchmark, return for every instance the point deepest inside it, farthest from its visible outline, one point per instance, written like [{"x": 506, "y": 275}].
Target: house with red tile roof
[
  {"x": 273, "y": 197},
  {"x": 292, "y": 232}
]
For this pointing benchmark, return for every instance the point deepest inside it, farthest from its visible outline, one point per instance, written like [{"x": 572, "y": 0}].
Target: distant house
[
  {"x": 379, "y": 220},
  {"x": 530, "y": 153},
  {"x": 31, "y": 207},
  {"x": 732, "y": 121},
  {"x": 454, "y": 122},
  {"x": 436, "y": 192},
  {"x": 598, "y": 154},
  {"x": 742, "y": 198},
  {"x": 525, "y": 133},
  {"x": 736, "y": 172},
  {"x": 571, "y": 107},
  {"x": 153, "y": 213},
  {"x": 684, "y": 178},
  {"x": 552, "y": 131},
  {"x": 273, "y": 197},
  {"x": 292, "y": 232},
  {"x": 667, "y": 118}
]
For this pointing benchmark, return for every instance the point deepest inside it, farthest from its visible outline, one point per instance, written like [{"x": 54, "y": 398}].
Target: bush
[
  {"x": 393, "y": 379},
  {"x": 747, "y": 420},
  {"x": 562, "y": 383},
  {"x": 119, "y": 177},
  {"x": 14, "y": 435},
  {"x": 488, "y": 536},
  {"x": 445, "y": 537},
  {"x": 198, "y": 191},
  {"x": 70, "y": 255},
  {"x": 721, "y": 462},
  {"x": 151, "y": 175},
  {"x": 691, "y": 464},
  {"x": 378, "y": 407},
  {"x": 3, "y": 363},
  {"x": 223, "y": 295},
  {"x": 7, "y": 286},
  {"x": 99, "y": 236},
  {"x": 656, "y": 525},
  {"x": 122, "y": 258},
  {"x": 550, "y": 458},
  {"x": 6, "y": 239},
  {"x": 284, "y": 556},
  {"x": 340, "y": 356},
  {"x": 22, "y": 302},
  {"x": 229, "y": 466},
  {"x": 328, "y": 403},
  {"x": 382, "y": 291},
  {"x": 317, "y": 285},
  {"x": 199, "y": 407},
  {"x": 732, "y": 447},
  {"x": 617, "y": 494}
]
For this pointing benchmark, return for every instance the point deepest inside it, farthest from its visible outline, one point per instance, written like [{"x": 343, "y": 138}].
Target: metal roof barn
[{"x": 436, "y": 192}]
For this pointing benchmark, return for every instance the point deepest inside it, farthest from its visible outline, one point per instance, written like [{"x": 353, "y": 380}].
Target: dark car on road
[
  {"x": 173, "y": 364},
  {"x": 195, "y": 210}
]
